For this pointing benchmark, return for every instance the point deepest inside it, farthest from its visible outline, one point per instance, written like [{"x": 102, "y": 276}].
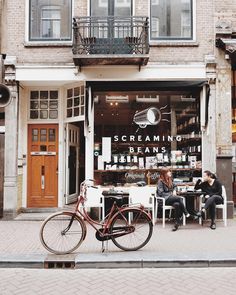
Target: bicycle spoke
[
  {"x": 142, "y": 230},
  {"x": 56, "y": 239}
]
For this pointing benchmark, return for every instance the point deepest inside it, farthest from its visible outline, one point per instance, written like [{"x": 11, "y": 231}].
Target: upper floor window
[
  {"x": 50, "y": 20},
  {"x": 111, "y": 7},
  {"x": 171, "y": 19}
]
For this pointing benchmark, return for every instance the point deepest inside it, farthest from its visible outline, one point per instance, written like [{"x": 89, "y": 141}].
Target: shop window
[
  {"x": 75, "y": 105},
  {"x": 136, "y": 134},
  {"x": 44, "y": 104},
  {"x": 50, "y": 20},
  {"x": 171, "y": 19}
]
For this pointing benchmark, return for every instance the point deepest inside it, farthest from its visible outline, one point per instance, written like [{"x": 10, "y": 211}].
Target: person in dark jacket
[
  {"x": 167, "y": 190},
  {"x": 213, "y": 190}
]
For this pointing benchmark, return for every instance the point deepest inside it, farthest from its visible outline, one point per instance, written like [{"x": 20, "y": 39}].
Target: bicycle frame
[{"x": 103, "y": 228}]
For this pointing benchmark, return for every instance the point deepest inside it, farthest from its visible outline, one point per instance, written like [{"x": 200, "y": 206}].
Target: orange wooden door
[{"x": 42, "y": 166}]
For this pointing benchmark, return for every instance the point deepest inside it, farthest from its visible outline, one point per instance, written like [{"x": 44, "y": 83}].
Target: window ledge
[
  {"x": 173, "y": 44},
  {"x": 48, "y": 44}
]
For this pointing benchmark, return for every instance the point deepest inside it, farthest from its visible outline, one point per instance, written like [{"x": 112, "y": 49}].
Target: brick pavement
[
  {"x": 179, "y": 281},
  {"x": 22, "y": 237}
]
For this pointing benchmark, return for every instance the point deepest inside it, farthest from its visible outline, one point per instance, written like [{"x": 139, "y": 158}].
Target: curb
[{"x": 77, "y": 262}]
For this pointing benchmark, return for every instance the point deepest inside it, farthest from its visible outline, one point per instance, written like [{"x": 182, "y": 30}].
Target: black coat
[{"x": 214, "y": 189}]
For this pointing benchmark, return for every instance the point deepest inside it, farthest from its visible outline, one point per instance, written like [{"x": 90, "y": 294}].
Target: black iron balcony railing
[{"x": 110, "y": 35}]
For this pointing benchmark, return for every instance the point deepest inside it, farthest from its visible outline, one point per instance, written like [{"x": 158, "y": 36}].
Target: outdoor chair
[
  {"x": 166, "y": 207},
  {"x": 144, "y": 196},
  {"x": 221, "y": 206},
  {"x": 95, "y": 199}
]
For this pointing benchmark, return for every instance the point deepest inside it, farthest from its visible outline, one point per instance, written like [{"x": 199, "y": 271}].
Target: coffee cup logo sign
[{"x": 150, "y": 116}]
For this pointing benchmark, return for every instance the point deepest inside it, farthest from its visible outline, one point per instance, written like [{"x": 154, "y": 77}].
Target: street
[{"x": 166, "y": 281}]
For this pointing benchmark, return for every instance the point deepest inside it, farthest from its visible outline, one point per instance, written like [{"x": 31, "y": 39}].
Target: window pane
[
  {"x": 122, "y": 7},
  {"x": 76, "y": 112},
  {"x": 53, "y": 94},
  {"x": 35, "y": 135},
  {"x": 77, "y": 91},
  {"x": 69, "y": 103},
  {"x": 43, "y": 134},
  {"x": 53, "y": 104},
  {"x": 43, "y": 114},
  {"x": 34, "y": 114},
  {"x": 99, "y": 7},
  {"x": 69, "y": 113},
  {"x": 69, "y": 92},
  {"x": 76, "y": 101},
  {"x": 82, "y": 111},
  {"x": 171, "y": 19},
  {"x": 50, "y": 20},
  {"x": 82, "y": 100},
  {"x": 34, "y": 94},
  {"x": 43, "y": 104},
  {"x": 34, "y": 105},
  {"x": 43, "y": 94},
  {"x": 53, "y": 114},
  {"x": 52, "y": 135}
]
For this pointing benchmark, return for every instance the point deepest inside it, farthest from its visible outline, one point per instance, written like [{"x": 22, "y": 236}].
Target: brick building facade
[{"x": 40, "y": 65}]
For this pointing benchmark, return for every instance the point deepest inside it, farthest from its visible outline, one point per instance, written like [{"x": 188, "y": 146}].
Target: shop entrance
[
  {"x": 42, "y": 188},
  {"x": 74, "y": 160}
]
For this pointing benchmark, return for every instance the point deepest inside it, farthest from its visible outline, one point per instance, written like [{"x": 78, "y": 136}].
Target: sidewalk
[{"x": 191, "y": 246}]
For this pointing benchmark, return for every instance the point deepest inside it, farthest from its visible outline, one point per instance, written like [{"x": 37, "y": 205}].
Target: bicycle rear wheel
[
  {"x": 62, "y": 233},
  {"x": 134, "y": 234}
]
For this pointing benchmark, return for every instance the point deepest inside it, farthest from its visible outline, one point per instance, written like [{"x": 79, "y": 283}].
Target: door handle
[
  {"x": 42, "y": 177},
  {"x": 42, "y": 182}
]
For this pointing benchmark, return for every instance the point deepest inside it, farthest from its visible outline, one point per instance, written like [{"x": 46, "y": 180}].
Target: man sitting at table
[{"x": 213, "y": 190}]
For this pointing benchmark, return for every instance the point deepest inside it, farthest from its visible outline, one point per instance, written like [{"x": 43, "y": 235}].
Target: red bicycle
[{"x": 129, "y": 227}]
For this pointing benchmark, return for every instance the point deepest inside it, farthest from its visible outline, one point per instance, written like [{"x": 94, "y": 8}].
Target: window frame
[
  {"x": 41, "y": 41},
  {"x": 172, "y": 40},
  {"x": 28, "y": 100}
]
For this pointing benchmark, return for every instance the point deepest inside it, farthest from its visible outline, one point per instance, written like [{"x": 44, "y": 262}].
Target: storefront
[
  {"x": 141, "y": 127},
  {"x": 118, "y": 132}
]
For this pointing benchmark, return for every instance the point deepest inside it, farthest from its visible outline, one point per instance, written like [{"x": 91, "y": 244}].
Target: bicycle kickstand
[{"x": 104, "y": 247}]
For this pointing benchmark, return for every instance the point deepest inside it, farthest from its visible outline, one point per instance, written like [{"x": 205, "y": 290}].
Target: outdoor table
[
  {"x": 110, "y": 198},
  {"x": 191, "y": 200}
]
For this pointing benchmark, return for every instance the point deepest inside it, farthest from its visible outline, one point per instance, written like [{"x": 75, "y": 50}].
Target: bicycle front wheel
[
  {"x": 62, "y": 233},
  {"x": 131, "y": 229}
]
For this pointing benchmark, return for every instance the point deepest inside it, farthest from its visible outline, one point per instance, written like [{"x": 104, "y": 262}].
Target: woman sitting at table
[
  {"x": 167, "y": 190},
  {"x": 213, "y": 190}
]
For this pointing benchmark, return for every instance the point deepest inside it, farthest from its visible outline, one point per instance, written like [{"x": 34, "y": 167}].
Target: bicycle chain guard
[{"x": 99, "y": 237}]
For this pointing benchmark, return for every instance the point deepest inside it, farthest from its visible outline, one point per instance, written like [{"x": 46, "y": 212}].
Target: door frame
[{"x": 73, "y": 197}]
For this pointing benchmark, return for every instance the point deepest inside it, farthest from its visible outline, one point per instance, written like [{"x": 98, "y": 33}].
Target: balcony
[{"x": 110, "y": 41}]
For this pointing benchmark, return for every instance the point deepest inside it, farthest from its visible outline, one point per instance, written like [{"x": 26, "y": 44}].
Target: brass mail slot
[{"x": 43, "y": 153}]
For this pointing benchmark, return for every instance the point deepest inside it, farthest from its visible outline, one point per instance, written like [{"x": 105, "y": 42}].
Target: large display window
[{"x": 137, "y": 133}]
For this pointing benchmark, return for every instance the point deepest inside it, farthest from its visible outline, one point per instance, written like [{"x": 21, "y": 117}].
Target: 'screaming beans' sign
[{"x": 146, "y": 139}]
